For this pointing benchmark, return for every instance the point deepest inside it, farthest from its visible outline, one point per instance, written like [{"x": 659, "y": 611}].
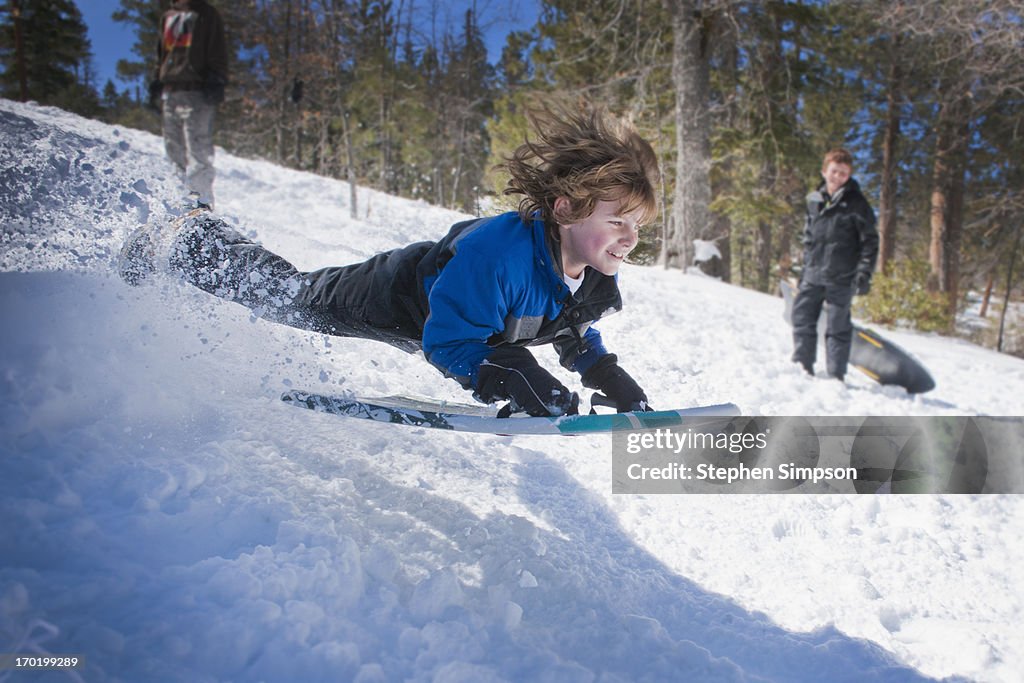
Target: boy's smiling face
[
  {"x": 835, "y": 175},
  {"x": 601, "y": 240}
]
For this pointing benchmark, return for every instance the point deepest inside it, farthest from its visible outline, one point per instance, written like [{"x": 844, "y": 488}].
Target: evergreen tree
[
  {"x": 470, "y": 80},
  {"x": 508, "y": 128},
  {"x": 768, "y": 85},
  {"x": 46, "y": 55},
  {"x": 144, "y": 17}
]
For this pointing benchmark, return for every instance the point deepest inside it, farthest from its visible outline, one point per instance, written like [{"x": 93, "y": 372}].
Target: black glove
[
  {"x": 512, "y": 373},
  {"x": 862, "y": 283},
  {"x": 607, "y": 377},
  {"x": 213, "y": 90},
  {"x": 156, "y": 89}
]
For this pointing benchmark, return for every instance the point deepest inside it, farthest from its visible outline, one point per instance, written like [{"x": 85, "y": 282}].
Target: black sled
[{"x": 873, "y": 354}]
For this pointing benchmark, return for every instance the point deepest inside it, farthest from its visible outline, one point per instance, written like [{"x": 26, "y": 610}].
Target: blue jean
[{"x": 188, "y": 121}]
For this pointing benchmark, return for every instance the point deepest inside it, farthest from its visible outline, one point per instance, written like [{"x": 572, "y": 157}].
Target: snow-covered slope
[{"x": 163, "y": 514}]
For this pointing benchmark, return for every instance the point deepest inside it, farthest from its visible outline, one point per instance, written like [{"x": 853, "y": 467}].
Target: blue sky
[{"x": 112, "y": 41}]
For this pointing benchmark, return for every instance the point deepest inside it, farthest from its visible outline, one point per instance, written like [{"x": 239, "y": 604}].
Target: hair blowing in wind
[{"x": 587, "y": 157}]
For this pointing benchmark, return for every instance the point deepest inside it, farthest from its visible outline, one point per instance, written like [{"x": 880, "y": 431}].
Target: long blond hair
[{"x": 585, "y": 156}]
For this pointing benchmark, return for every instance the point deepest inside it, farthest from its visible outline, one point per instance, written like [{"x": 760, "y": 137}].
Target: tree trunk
[
  {"x": 1009, "y": 288},
  {"x": 990, "y": 282},
  {"x": 764, "y": 255},
  {"x": 727, "y": 115},
  {"x": 662, "y": 145},
  {"x": 887, "y": 200},
  {"x": 282, "y": 105},
  {"x": 785, "y": 254},
  {"x": 721, "y": 267},
  {"x": 298, "y": 135},
  {"x": 948, "y": 179},
  {"x": 770, "y": 65},
  {"x": 382, "y": 133},
  {"x": 460, "y": 158},
  {"x": 691, "y": 81},
  {"x": 350, "y": 166},
  {"x": 323, "y": 163}
]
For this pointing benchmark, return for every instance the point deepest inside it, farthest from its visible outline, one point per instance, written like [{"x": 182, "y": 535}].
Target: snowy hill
[{"x": 163, "y": 514}]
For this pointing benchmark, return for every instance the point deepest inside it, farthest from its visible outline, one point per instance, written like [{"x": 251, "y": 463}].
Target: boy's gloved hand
[
  {"x": 862, "y": 283},
  {"x": 512, "y": 374},
  {"x": 607, "y": 377}
]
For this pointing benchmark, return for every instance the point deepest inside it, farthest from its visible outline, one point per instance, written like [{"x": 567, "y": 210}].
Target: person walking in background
[
  {"x": 191, "y": 73},
  {"x": 840, "y": 248}
]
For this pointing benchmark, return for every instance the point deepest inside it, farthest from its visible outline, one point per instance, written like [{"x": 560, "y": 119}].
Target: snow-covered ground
[{"x": 163, "y": 514}]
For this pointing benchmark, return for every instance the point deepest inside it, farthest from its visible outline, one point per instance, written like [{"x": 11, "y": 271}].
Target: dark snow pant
[
  {"x": 838, "y": 326},
  {"x": 218, "y": 259}
]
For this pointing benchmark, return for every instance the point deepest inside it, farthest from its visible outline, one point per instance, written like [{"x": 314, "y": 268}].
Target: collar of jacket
[
  {"x": 598, "y": 291},
  {"x": 598, "y": 296},
  {"x": 547, "y": 251},
  {"x": 819, "y": 201}
]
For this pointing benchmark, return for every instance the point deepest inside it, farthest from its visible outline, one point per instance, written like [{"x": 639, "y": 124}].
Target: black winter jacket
[{"x": 840, "y": 239}]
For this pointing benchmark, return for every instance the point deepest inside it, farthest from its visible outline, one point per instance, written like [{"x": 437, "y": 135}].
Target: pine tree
[
  {"x": 765, "y": 84},
  {"x": 144, "y": 17},
  {"x": 508, "y": 128},
  {"x": 470, "y": 80},
  {"x": 46, "y": 55}
]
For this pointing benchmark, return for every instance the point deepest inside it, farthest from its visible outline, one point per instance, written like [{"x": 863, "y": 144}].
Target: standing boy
[
  {"x": 840, "y": 247},
  {"x": 474, "y": 300},
  {"x": 192, "y": 70}
]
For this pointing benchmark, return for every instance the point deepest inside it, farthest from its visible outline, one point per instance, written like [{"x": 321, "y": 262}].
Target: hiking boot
[{"x": 195, "y": 202}]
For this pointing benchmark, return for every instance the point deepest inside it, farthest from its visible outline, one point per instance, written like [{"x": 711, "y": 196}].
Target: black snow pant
[
  {"x": 838, "y": 325},
  {"x": 218, "y": 259}
]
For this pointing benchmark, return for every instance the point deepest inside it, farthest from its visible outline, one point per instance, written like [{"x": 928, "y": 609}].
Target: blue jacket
[
  {"x": 488, "y": 283},
  {"x": 495, "y": 281}
]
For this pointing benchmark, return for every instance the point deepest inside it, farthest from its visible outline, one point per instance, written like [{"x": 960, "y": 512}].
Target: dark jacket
[
  {"x": 192, "y": 52},
  {"x": 840, "y": 238},
  {"x": 489, "y": 283}
]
